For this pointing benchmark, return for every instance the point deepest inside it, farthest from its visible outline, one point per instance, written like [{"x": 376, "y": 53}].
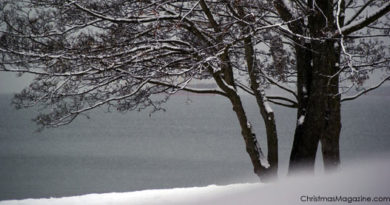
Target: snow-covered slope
[
  {"x": 357, "y": 184},
  {"x": 193, "y": 195}
]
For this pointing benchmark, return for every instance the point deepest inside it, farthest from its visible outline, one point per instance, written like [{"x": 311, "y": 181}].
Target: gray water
[{"x": 193, "y": 144}]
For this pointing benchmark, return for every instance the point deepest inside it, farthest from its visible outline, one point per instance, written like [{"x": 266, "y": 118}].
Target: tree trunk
[
  {"x": 258, "y": 160},
  {"x": 262, "y": 102},
  {"x": 305, "y": 144},
  {"x": 265, "y": 110},
  {"x": 330, "y": 139},
  {"x": 318, "y": 107}
]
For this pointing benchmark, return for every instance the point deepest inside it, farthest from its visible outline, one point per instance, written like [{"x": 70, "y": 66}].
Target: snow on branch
[
  {"x": 287, "y": 13},
  {"x": 359, "y": 12},
  {"x": 286, "y": 9},
  {"x": 54, "y": 33},
  {"x": 71, "y": 115},
  {"x": 342, "y": 44},
  {"x": 189, "y": 89},
  {"x": 365, "y": 91},
  {"x": 145, "y": 19},
  {"x": 357, "y": 25},
  {"x": 263, "y": 160},
  {"x": 35, "y": 72}
]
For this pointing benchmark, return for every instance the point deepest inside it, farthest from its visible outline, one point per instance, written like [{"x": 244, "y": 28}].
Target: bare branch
[
  {"x": 145, "y": 19},
  {"x": 189, "y": 89},
  {"x": 358, "y": 12},
  {"x": 73, "y": 114},
  {"x": 355, "y": 26},
  {"x": 365, "y": 91},
  {"x": 293, "y": 104}
]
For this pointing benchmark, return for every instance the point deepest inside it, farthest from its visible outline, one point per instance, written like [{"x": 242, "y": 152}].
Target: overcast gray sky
[{"x": 9, "y": 83}]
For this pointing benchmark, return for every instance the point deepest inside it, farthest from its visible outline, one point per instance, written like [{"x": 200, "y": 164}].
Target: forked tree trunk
[
  {"x": 262, "y": 102},
  {"x": 304, "y": 145},
  {"x": 265, "y": 111},
  {"x": 260, "y": 164},
  {"x": 318, "y": 117},
  {"x": 310, "y": 109},
  {"x": 318, "y": 103}
]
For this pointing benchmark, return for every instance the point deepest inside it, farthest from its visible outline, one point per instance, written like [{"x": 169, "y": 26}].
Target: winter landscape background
[{"x": 195, "y": 144}]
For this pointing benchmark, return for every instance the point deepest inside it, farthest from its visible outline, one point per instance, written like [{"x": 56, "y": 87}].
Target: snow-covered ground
[{"x": 366, "y": 182}]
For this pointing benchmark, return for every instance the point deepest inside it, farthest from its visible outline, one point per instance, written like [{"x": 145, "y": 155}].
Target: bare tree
[
  {"x": 338, "y": 44},
  {"x": 131, "y": 55},
  {"x": 86, "y": 54}
]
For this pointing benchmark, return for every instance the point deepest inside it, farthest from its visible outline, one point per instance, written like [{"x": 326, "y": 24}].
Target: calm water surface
[{"x": 193, "y": 144}]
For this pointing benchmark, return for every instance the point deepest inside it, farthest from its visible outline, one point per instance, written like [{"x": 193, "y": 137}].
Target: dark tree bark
[
  {"x": 267, "y": 114},
  {"x": 260, "y": 164},
  {"x": 251, "y": 144},
  {"x": 318, "y": 107},
  {"x": 310, "y": 109},
  {"x": 318, "y": 53},
  {"x": 330, "y": 140},
  {"x": 261, "y": 99},
  {"x": 330, "y": 145}
]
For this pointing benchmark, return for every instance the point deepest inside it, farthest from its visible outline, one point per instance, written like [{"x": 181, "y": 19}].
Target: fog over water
[{"x": 194, "y": 144}]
